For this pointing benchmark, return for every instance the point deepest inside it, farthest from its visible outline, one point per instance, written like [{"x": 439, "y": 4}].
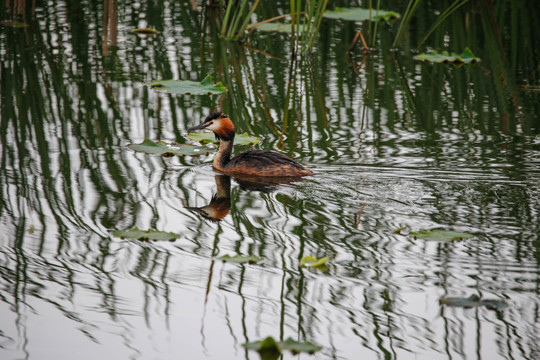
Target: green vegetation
[
  {"x": 240, "y": 259},
  {"x": 169, "y": 149},
  {"x": 314, "y": 262},
  {"x": 236, "y": 18},
  {"x": 270, "y": 345},
  {"x": 280, "y": 27},
  {"x": 466, "y": 57},
  {"x": 440, "y": 235},
  {"x": 145, "y": 31},
  {"x": 188, "y": 87},
  {"x": 162, "y": 148},
  {"x": 146, "y": 235},
  {"x": 473, "y": 301},
  {"x": 359, "y": 14},
  {"x": 209, "y": 137}
]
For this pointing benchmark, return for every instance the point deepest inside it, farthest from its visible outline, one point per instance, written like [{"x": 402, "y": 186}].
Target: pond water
[{"x": 395, "y": 143}]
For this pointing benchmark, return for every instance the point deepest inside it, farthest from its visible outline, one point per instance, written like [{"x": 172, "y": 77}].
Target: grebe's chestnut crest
[{"x": 251, "y": 162}]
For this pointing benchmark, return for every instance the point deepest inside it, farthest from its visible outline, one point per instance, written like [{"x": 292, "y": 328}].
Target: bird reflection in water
[{"x": 220, "y": 204}]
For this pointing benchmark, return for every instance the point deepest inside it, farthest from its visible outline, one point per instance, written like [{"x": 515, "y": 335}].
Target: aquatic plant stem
[
  {"x": 457, "y": 4},
  {"x": 231, "y": 30},
  {"x": 314, "y": 30},
  {"x": 373, "y": 40},
  {"x": 411, "y": 8},
  {"x": 236, "y": 20},
  {"x": 243, "y": 28},
  {"x": 226, "y": 18}
]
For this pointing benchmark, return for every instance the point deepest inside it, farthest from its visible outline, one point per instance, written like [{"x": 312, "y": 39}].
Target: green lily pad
[
  {"x": 187, "y": 87},
  {"x": 359, "y": 14},
  {"x": 279, "y": 27},
  {"x": 440, "y": 235},
  {"x": 494, "y": 304},
  {"x": 268, "y": 343},
  {"x": 149, "y": 234},
  {"x": 473, "y": 301},
  {"x": 145, "y": 31},
  {"x": 209, "y": 137},
  {"x": 240, "y": 259},
  {"x": 298, "y": 347},
  {"x": 313, "y": 261},
  {"x": 150, "y": 147},
  {"x": 466, "y": 57},
  {"x": 268, "y": 348},
  {"x": 271, "y": 345}
]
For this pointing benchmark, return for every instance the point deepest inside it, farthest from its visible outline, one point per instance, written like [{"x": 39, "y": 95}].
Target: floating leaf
[
  {"x": 145, "y": 31},
  {"x": 473, "y": 301},
  {"x": 313, "y": 261},
  {"x": 240, "y": 259},
  {"x": 268, "y": 348},
  {"x": 14, "y": 24},
  {"x": 279, "y": 27},
  {"x": 399, "y": 229},
  {"x": 209, "y": 137},
  {"x": 469, "y": 302},
  {"x": 271, "y": 345},
  {"x": 467, "y": 57},
  {"x": 359, "y": 14},
  {"x": 266, "y": 344},
  {"x": 440, "y": 235},
  {"x": 494, "y": 304},
  {"x": 203, "y": 137},
  {"x": 298, "y": 347},
  {"x": 162, "y": 148},
  {"x": 188, "y": 87},
  {"x": 149, "y": 234}
]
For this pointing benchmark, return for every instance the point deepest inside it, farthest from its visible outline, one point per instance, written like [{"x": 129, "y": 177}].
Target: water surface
[{"x": 393, "y": 142}]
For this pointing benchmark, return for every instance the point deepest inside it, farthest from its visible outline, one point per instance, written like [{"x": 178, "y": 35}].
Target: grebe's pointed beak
[{"x": 199, "y": 127}]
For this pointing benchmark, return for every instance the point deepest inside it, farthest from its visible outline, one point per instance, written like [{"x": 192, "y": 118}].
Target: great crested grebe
[{"x": 251, "y": 162}]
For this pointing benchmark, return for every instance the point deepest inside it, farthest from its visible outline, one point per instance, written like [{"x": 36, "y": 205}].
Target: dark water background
[{"x": 394, "y": 142}]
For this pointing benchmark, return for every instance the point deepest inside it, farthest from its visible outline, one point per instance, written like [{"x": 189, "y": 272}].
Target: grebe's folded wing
[{"x": 264, "y": 158}]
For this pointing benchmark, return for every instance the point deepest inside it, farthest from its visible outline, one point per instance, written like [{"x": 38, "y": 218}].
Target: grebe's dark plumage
[{"x": 251, "y": 162}]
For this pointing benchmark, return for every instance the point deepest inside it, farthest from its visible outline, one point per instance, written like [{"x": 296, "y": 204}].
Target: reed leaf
[
  {"x": 449, "y": 11},
  {"x": 226, "y": 18},
  {"x": 376, "y": 25},
  {"x": 236, "y": 19},
  {"x": 246, "y": 21},
  {"x": 305, "y": 31},
  {"x": 411, "y": 8},
  {"x": 233, "y": 28}
]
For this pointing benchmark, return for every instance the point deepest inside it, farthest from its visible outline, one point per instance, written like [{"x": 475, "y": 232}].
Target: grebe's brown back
[{"x": 251, "y": 162}]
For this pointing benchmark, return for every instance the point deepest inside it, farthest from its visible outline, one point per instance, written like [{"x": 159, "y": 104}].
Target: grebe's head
[
  {"x": 216, "y": 210},
  {"x": 219, "y": 123}
]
